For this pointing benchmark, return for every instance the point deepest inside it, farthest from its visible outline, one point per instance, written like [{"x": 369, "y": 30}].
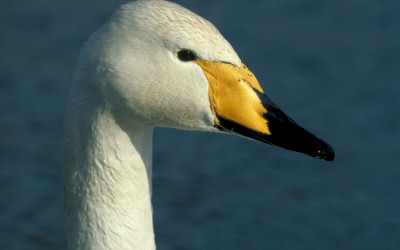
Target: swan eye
[{"x": 186, "y": 55}]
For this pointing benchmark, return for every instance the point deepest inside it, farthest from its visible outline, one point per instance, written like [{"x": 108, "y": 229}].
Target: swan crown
[{"x": 176, "y": 28}]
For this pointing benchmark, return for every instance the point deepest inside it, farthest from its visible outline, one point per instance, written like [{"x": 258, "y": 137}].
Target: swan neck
[{"x": 107, "y": 175}]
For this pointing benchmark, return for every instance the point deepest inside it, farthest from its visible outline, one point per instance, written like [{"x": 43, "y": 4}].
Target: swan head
[{"x": 159, "y": 64}]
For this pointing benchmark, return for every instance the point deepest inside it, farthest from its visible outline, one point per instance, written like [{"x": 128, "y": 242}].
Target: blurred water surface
[{"x": 334, "y": 66}]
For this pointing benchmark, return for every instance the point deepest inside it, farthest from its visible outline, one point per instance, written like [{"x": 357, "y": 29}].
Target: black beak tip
[{"x": 327, "y": 153}]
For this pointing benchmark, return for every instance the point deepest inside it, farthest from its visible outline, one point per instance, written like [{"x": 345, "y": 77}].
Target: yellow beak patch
[{"x": 232, "y": 95}]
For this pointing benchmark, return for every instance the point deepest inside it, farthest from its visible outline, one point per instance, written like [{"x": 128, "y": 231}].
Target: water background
[{"x": 334, "y": 66}]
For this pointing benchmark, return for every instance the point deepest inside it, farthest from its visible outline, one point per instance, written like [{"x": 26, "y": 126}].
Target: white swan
[{"x": 153, "y": 64}]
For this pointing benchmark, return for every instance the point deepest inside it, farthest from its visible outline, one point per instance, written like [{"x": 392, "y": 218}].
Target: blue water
[{"x": 334, "y": 66}]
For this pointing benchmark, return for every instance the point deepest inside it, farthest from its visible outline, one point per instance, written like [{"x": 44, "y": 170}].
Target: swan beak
[{"x": 240, "y": 106}]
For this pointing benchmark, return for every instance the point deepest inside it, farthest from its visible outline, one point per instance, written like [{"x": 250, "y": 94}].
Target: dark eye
[{"x": 186, "y": 55}]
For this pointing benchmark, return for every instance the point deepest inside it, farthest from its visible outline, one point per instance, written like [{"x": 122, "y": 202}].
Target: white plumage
[
  {"x": 127, "y": 81},
  {"x": 130, "y": 79}
]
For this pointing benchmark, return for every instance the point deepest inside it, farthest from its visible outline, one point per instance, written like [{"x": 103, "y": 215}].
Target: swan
[{"x": 154, "y": 63}]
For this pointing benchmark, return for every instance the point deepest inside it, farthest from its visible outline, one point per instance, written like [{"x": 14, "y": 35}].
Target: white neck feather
[
  {"x": 108, "y": 184},
  {"x": 129, "y": 76}
]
